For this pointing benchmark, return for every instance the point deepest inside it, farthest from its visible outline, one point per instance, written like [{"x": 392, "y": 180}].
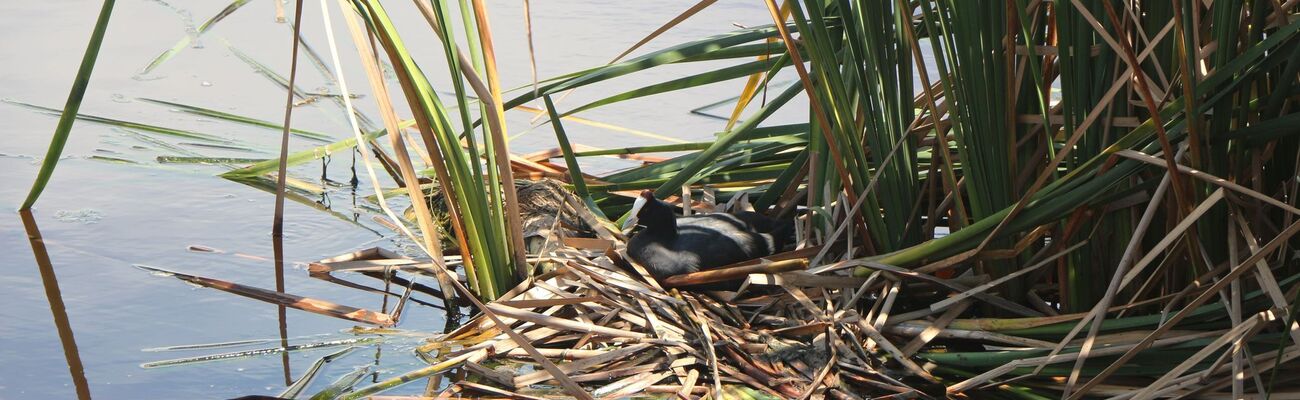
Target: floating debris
[
  {"x": 284, "y": 299},
  {"x": 85, "y": 216},
  {"x": 198, "y": 248},
  {"x": 235, "y": 343},
  {"x": 258, "y": 352},
  {"x": 296, "y": 388}
]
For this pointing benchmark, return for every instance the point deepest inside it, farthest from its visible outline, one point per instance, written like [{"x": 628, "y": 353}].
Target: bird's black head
[{"x": 651, "y": 213}]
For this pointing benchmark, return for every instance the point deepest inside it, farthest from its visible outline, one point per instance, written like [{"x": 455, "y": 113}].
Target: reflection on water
[
  {"x": 278, "y": 246},
  {"x": 55, "y": 297}
]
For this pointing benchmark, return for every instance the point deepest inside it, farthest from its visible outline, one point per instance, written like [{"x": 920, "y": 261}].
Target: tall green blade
[{"x": 78, "y": 92}]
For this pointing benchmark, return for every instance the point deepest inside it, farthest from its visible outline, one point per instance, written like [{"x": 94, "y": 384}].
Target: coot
[{"x": 672, "y": 245}]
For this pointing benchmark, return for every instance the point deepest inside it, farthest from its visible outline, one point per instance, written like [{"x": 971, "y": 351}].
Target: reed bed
[{"x": 1083, "y": 199}]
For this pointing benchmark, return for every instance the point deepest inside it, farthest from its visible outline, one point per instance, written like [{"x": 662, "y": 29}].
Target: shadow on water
[{"x": 55, "y": 297}]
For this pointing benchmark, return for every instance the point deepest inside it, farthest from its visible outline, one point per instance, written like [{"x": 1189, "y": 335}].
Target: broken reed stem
[
  {"x": 277, "y": 227},
  {"x": 726, "y": 274}
]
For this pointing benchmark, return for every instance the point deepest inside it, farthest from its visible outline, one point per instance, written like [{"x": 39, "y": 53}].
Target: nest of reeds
[
  {"x": 608, "y": 330},
  {"x": 611, "y": 332},
  {"x": 617, "y": 335}
]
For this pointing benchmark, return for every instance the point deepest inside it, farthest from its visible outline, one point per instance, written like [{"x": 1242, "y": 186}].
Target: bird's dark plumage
[{"x": 671, "y": 245}]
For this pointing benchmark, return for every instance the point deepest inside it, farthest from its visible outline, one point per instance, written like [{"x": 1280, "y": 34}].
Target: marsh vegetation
[{"x": 1019, "y": 199}]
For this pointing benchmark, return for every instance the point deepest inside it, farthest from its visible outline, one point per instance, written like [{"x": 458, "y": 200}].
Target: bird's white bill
[
  {"x": 631, "y": 222},
  {"x": 636, "y": 209}
]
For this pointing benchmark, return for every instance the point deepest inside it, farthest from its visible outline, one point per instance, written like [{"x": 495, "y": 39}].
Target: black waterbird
[{"x": 672, "y": 245}]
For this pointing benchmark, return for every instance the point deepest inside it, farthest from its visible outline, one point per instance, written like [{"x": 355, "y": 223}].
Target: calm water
[{"x": 99, "y": 218}]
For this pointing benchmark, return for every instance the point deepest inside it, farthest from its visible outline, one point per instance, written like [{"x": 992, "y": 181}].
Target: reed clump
[{"x": 1019, "y": 200}]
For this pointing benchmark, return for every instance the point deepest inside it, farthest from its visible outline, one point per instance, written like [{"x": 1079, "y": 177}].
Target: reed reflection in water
[{"x": 55, "y": 297}]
